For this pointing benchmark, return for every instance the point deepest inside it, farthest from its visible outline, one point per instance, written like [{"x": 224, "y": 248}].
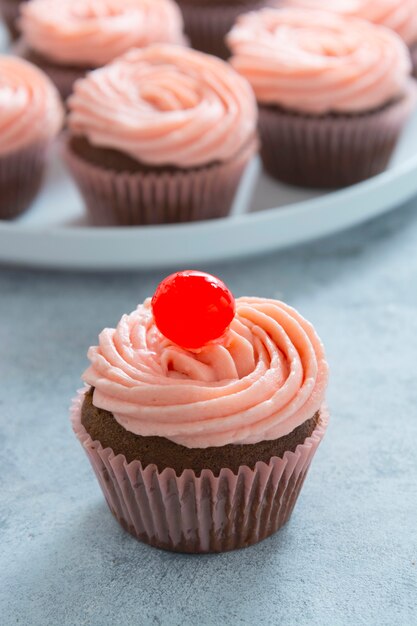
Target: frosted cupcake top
[
  {"x": 91, "y": 33},
  {"x": 264, "y": 378},
  {"x": 165, "y": 105},
  {"x": 399, "y": 15},
  {"x": 316, "y": 62},
  {"x": 30, "y": 108}
]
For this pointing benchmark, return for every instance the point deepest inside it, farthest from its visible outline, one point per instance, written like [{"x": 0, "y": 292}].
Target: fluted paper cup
[
  {"x": 199, "y": 513},
  {"x": 21, "y": 175},
  {"x": 331, "y": 151},
  {"x": 160, "y": 196}
]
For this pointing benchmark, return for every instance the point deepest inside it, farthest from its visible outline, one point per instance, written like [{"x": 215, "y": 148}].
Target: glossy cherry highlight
[{"x": 193, "y": 308}]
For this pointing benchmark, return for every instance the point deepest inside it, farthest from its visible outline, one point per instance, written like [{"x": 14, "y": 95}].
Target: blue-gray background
[{"x": 348, "y": 555}]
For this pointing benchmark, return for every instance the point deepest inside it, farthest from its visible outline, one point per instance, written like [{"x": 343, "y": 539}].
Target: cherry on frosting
[{"x": 192, "y": 308}]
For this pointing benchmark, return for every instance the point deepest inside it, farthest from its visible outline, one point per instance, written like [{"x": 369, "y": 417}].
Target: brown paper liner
[
  {"x": 21, "y": 175},
  {"x": 160, "y": 196},
  {"x": 9, "y": 10},
  {"x": 331, "y": 151},
  {"x": 205, "y": 513},
  {"x": 207, "y": 25},
  {"x": 62, "y": 76}
]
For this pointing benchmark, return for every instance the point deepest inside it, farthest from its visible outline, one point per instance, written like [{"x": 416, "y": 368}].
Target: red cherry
[{"x": 192, "y": 308}]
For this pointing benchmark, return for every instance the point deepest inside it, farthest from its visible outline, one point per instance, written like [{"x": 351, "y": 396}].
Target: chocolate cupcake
[
  {"x": 67, "y": 39},
  {"x": 31, "y": 115},
  {"x": 207, "y": 22},
  {"x": 201, "y": 437},
  {"x": 9, "y": 11},
  {"x": 334, "y": 93},
  {"x": 161, "y": 135},
  {"x": 398, "y": 15}
]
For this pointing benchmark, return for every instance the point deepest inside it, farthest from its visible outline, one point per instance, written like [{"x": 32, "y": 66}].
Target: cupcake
[
  {"x": 202, "y": 414},
  {"x": 9, "y": 11},
  {"x": 67, "y": 38},
  {"x": 399, "y": 15},
  {"x": 207, "y": 22},
  {"x": 161, "y": 135},
  {"x": 334, "y": 93},
  {"x": 31, "y": 115}
]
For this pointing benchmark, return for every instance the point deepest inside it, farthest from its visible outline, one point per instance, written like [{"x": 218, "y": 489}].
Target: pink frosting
[
  {"x": 166, "y": 105},
  {"x": 30, "y": 108},
  {"x": 91, "y": 33},
  {"x": 399, "y": 15},
  {"x": 317, "y": 62},
  {"x": 264, "y": 379}
]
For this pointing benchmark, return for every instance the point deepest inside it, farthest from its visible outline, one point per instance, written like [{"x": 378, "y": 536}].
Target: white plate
[{"x": 266, "y": 216}]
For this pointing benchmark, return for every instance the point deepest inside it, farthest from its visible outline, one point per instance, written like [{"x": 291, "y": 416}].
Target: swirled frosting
[
  {"x": 30, "y": 109},
  {"x": 91, "y": 33},
  {"x": 317, "y": 62},
  {"x": 166, "y": 105},
  {"x": 399, "y": 15},
  {"x": 265, "y": 378}
]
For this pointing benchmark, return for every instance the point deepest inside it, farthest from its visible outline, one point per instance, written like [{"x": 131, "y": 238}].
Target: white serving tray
[{"x": 266, "y": 216}]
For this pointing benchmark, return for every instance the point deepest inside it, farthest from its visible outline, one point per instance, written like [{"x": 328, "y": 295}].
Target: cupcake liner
[
  {"x": 413, "y": 53},
  {"x": 21, "y": 175},
  {"x": 162, "y": 196},
  {"x": 62, "y": 76},
  {"x": 9, "y": 10},
  {"x": 207, "y": 25},
  {"x": 331, "y": 151},
  {"x": 199, "y": 513}
]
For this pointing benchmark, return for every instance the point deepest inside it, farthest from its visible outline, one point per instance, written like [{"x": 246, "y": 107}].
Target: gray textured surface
[{"x": 349, "y": 554}]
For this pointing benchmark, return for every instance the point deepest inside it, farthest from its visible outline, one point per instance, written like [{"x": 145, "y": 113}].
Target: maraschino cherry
[{"x": 192, "y": 308}]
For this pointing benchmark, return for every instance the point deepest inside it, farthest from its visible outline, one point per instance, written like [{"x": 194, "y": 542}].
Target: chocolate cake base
[{"x": 102, "y": 427}]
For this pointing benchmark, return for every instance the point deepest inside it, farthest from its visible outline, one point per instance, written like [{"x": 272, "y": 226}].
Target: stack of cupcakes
[
  {"x": 334, "y": 93},
  {"x": 67, "y": 39}
]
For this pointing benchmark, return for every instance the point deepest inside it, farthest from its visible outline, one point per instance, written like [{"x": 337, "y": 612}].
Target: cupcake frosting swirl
[
  {"x": 30, "y": 109},
  {"x": 317, "y": 62},
  {"x": 265, "y": 377},
  {"x": 166, "y": 105},
  {"x": 399, "y": 15},
  {"x": 91, "y": 33}
]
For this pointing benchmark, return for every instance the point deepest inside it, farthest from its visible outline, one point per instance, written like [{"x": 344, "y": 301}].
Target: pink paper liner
[
  {"x": 21, "y": 175},
  {"x": 9, "y": 10},
  {"x": 334, "y": 150},
  {"x": 207, "y": 25},
  {"x": 199, "y": 514},
  {"x": 63, "y": 77},
  {"x": 160, "y": 196}
]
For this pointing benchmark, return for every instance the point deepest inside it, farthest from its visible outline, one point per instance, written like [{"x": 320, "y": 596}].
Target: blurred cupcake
[
  {"x": 9, "y": 11},
  {"x": 31, "y": 115},
  {"x": 207, "y": 22},
  {"x": 160, "y": 135},
  {"x": 66, "y": 38},
  {"x": 398, "y": 15},
  {"x": 334, "y": 93},
  {"x": 202, "y": 415}
]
